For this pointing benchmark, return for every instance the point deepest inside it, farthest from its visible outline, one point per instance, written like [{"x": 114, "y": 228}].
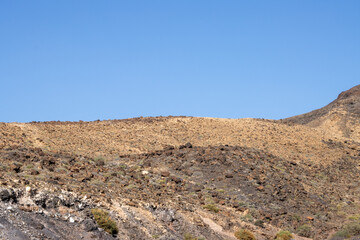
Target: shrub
[
  {"x": 188, "y": 236},
  {"x": 244, "y": 234},
  {"x": 296, "y": 217},
  {"x": 349, "y": 230},
  {"x": 304, "y": 231},
  {"x": 247, "y": 218},
  {"x": 259, "y": 223},
  {"x": 212, "y": 207},
  {"x": 104, "y": 221},
  {"x": 284, "y": 235},
  {"x": 355, "y": 217},
  {"x": 342, "y": 234},
  {"x": 99, "y": 161}
]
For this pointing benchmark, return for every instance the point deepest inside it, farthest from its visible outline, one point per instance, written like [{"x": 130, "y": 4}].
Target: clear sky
[{"x": 88, "y": 60}]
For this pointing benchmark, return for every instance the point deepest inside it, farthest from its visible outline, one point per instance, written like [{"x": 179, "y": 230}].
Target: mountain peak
[{"x": 352, "y": 92}]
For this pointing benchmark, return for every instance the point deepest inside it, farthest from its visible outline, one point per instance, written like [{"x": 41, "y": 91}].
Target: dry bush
[
  {"x": 104, "y": 221},
  {"x": 244, "y": 234}
]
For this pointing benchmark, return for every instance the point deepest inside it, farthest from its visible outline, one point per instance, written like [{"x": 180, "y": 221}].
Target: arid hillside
[
  {"x": 341, "y": 117},
  {"x": 184, "y": 177},
  {"x": 133, "y": 136}
]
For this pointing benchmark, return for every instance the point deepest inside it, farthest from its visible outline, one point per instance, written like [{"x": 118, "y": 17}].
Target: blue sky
[{"x": 88, "y": 60}]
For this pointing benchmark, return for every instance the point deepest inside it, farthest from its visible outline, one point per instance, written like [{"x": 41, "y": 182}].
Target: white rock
[
  {"x": 28, "y": 189},
  {"x": 71, "y": 219},
  {"x": 145, "y": 172}
]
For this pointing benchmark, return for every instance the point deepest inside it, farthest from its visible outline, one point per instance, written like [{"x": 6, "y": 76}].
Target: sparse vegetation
[
  {"x": 98, "y": 158},
  {"x": 247, "y": 217},
  {"x": 29, "y": 166},
  {"x": 104, "y": 221},
  {"x": 349, "y": 230},
  {"x": 296, "y": 217},
  {"x": 188, "y": 236},
  {"x": 244, "y": 234},
  {"x": 284, "y": 235},
  {"x": 354, "y": 217},
  {"x": 304, "y": 230}
]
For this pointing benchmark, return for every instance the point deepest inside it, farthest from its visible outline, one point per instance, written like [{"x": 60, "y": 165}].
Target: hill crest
[{"x": 341, "y": 117}]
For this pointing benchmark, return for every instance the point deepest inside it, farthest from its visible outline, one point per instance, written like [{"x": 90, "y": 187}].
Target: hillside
[
  {"x": 341, "y": 117},
  {"x": 183, "y": 177},
  {"x": 141, "y": 135}
]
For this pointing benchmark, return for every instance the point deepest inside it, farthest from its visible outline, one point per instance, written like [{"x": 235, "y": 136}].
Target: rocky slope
[{"x": 183, "y": 177}]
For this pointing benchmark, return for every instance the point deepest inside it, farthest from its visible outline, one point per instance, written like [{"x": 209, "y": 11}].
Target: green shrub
[
  {"x": 104, "y": 221},
  {"x": 355, "y": 217},
  {"x": 304, "y": 231},
  {"x": 296, "y": 217},
  {"x": 244, "y": 234},
  {"x": 98, "y": 158},
  {"x": 212, "y": 207},
  {"x": 349, "y": 230},
  {"x": 247, "y": 218},
  {"x": 188, "y": 236},
  {"x": 284, "y": 235},
  {"x": 341, "y": 234}
]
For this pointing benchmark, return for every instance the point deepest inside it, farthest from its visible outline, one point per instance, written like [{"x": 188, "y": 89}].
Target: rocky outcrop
[{"x": 32, "y": 214}]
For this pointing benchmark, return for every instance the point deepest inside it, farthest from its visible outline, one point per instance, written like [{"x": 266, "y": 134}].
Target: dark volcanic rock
[
  {"x": 7, "y": 195},
  {"x": 89, "y": 225}
]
